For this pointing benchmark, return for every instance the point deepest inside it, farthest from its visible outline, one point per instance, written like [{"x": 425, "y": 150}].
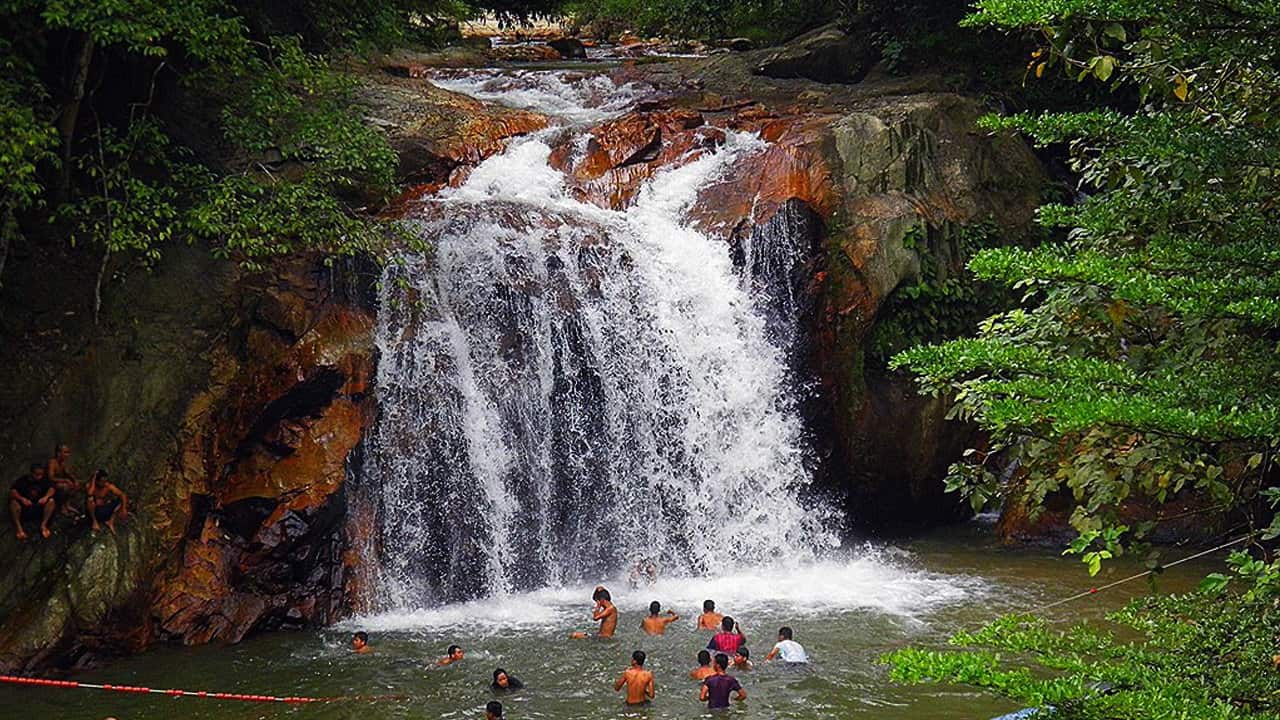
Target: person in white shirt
[{"x": 787, "y": 650}]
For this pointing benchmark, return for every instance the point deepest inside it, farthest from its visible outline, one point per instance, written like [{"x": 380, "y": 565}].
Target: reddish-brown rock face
[
  {"x": 435, "y": 131},
  {"x": 259, "y": 483}
]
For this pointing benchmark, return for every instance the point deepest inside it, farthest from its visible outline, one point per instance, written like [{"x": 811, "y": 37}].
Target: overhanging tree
[{"x": 1143, "y": 364}]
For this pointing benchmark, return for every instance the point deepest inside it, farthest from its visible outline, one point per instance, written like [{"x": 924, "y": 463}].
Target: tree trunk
[
  {"x": 97, "y": 285},
  {"x": 71, "y": 112},
  {"x": 8, "y": 227}
]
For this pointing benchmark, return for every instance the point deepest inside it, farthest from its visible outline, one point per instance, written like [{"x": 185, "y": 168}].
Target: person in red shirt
[{"x": 729, "y": 638}]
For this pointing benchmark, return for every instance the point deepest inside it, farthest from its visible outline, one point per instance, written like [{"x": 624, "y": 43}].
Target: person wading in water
[
  {"x": 639, "y": 682},
  {"x": 604, "y": 613}
]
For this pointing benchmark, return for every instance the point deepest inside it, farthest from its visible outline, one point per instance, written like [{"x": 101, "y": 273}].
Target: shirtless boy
[
  {"x": 604, "y": 613},
  {"x": 704, "y": 669},
  {"x": 742, "y": 658},
  {"x": 105, "y": 502},
  {"x": 360, "y": 643},
  {"x": 452, "y": 655},
  {"x": 638, "y": 681},
  {"x": 657, "y": 624},
  {"x": 63, "y": 479},
  {"x": 709, "y": 619}
]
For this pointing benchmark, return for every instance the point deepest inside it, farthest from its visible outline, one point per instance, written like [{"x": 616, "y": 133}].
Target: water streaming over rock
[{"x": 565, "y": 389}]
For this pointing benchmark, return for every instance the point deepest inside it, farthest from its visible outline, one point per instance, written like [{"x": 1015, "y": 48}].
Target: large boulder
[
  {"x": 825, "y": 55},
  {"x": 569, "y": 48},
  {"x": 435, "y": 131}
]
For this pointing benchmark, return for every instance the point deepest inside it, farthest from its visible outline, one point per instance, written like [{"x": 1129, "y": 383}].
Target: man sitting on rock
[
  {"x": 63, "y": 479},
  {"x": 106, "y": 503},
  {"x": 31, "y": 499}
]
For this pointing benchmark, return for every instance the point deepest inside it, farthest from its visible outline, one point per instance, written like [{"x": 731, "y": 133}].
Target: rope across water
[
  {"x": 1138, "y": 576},
  {"x": 206, "y": 694}
]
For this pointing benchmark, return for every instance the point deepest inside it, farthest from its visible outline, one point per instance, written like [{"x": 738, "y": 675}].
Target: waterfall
[{"x": 565, "y": 390}]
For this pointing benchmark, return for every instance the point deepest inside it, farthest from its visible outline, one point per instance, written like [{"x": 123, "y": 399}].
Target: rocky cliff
[
  {"x": 225, "y": 403},
  {"x": 228, "y": 405}
]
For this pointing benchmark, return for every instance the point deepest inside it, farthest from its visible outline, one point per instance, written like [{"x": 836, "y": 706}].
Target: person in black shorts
[
  {"x": 31, "y": 500},
  {"x": 106, "y": 503}
]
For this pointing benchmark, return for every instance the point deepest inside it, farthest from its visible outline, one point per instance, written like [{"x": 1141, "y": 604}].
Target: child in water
[
  {"x": 729, "y": 639},
  {"x": 657, "y": 624},
  {"x": 704, "y": 669},
  {"x": 709, "y": 619},
  {"x": 452, "y": 655},
  {"x": 717, "y": 688},
  {"x": 638, "y": 681},
  {"x": 604, "y": 612},
  {"x": 742, "y": 658},
  {"x": 788, "y": 650},
  {"x": 503, "y": 680},
  {"x": 493, "y": 711},
  {"x": 360, "y": 643}
]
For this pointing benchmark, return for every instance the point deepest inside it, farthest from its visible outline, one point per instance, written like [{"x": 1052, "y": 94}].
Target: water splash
[
  {"x": 575, "y": 98},
  {"x": 871, "y": 580},
  {"x": 567, "y": 389}
]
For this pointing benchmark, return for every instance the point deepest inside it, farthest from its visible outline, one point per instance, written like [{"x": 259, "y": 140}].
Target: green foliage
[
  {"x": 1143, "y": 363},
  {"x": 252, "y": 218},
  {"x": 946, "y": 301},
  {"x": 1201, "y": 655},
  {"x": 126, "y": 212},
  {"x": 26, "y": 142},
  {"x": 300, "y": 168},
  {"x": 297, "y": 109}
]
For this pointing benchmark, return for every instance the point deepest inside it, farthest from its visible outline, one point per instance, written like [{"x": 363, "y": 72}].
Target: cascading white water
[{"x": 566, "y": 390}]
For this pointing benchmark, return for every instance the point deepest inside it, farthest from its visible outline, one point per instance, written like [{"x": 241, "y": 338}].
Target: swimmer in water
[
  {"x": 787, "y": 649},
  {"x": 644, "y": 571},
  {"x": 604, "y": 613},
  {"x": 742, "y": 658},
  {"x": 717, "y": 688},
  {"x": 503, "y": 680},
  {"x": 360, "y": 643},
  {"x": 493, "y": 710},
  {"x": 451, "y": 656},
  {"x": 656, "y": 624},
  {"x": 704, "y": 669},
  {"x": 730, "y": 637},
  {"x": 638, "y": 681},
  {"x": 709, "y": 619}
]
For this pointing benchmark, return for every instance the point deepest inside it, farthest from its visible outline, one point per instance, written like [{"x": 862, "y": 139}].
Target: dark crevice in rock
[
  {"x": 243, "y": 517},
  {"x": 305, "y": 400}
]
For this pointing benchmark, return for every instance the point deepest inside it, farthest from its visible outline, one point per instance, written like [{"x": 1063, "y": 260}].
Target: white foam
[
  {"x": 868, "y": 582},
  {"x": 574, "y": 97}
]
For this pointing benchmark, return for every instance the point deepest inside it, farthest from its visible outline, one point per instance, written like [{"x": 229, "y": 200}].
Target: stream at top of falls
[{"x": 564, "y": 390}]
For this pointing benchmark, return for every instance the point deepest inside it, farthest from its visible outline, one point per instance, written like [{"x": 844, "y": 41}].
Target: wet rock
[
  {"x": 531, "y": 52},
  {"x": 825, "y": 55},
  {"x": 569, "y": 48},
  {"x": 435, "y": 131},
  {"x": 737, "y": 44}
]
